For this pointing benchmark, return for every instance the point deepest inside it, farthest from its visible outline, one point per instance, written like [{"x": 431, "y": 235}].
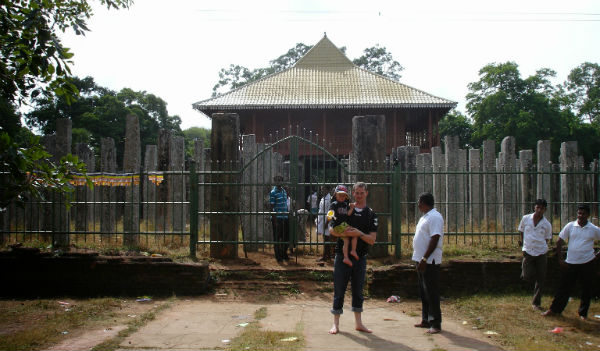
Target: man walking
[
  {"x": 427, "y": 253},
  {"x": 579, "y": 265},
  {"x": 535, "y": 231}
]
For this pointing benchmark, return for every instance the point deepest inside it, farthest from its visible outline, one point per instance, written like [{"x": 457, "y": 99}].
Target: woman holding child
[{"x": 361, "y": 224}]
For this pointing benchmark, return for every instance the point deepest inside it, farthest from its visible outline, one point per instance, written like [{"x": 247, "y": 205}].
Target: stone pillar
[
  {"x": 249, "y": 197},
  {"x": 63, "y": 137},
  {"x": 225, "y": 148},
  {"x": 61, "y": 215},
  {"x": 401, "y": 154},
  {"x": 438, "y": 163},
  {"x": 199, "y": 156},
  {"x": 46, "y": 218},
  {"x": 369, "y": 144},
  {"x": 475, "y": 193},
  {"x": 411, "y": 183},
  {"x": 544, "y": 166},
  {"x": 593, "y": 186},
  {"x": 580, "y": 181},
  {"x": 149, "y": 192},
  {"x": 555, "y": 191},
  {"x": 508, "y": 184},
  {"x": 84, "y": 212},
  {"x": 568, "y": 164},
  {"x": 177, "y": 190},
  {"x": 452, "y": 219},
  {"x": 205, "y": 207},
  {"x": 527, "y": 187},
  {"x": 490, "y": 193},
  {"x": 265, "y": 178},
  {"x": 163, "y": 209},
  {"x": 424, "y": 176},
  {"x": 463, "y": 181},
  {"x": 131, "y": 164},
  {"x": 108, "y": 164}
]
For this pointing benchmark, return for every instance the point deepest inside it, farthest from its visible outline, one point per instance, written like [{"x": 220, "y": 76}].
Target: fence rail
[{"x": 184, "y": 223}]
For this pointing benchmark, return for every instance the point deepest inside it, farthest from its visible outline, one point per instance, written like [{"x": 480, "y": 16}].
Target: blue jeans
[{"x": 342, "y": 273}]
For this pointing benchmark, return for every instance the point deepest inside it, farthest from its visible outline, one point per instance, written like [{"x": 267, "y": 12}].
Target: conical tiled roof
[{"x": 323, "y": 78}]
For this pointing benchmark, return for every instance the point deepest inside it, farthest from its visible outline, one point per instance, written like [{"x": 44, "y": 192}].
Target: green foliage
[
  {"x": 33, "y": 60},
  {"x": 501, "y": 103},
  {"x": 192, "y": 134},
  {"x": 455, "y": 123},
  {"x": 375, "y": 59},
  {"x": 583, "y": 91},
  {"x": 235, "y": 76},
  {"x": 30, "y": 170},
  {"x": 99, "y": 113},
  {"x": 378, "y": 60}
]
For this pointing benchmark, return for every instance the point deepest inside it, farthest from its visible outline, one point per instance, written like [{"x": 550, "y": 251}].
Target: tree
[
  {"x": 375, "y": 59},
  {"x": 501, "y": 103},
  {"x": 583, "y": 91},
  {"x": 33, "y": 60},
  {"x": 235, "y": 76},
  {"x": 99, "y": 112},
  {"x": 378, "y": 60},
  {"x": 455, "y": 123},
  {"x": 192, "y": 134},
  {"x": 29, "y": 169}
]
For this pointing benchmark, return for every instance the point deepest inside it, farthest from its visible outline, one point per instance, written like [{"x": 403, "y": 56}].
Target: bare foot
[
  {"x": 362, "y": 328},
  {"x": 348, "y": 262},
  {"x": 354, "y": 254},
  {"x": 334, "y": 329}
]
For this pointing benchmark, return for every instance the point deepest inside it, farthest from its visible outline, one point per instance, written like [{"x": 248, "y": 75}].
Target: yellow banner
[{"x": 115, "y": 180}]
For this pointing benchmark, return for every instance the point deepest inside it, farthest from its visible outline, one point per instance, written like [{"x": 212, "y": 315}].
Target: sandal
[{"x": 422, "y": 325}]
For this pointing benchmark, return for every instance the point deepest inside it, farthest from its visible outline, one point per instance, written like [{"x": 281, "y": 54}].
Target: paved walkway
[{"x": 208, "y": 323}]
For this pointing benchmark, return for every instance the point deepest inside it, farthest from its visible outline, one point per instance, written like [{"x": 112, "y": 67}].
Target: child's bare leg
[
  {"x": 353, "y": 247},
  {"x": 345, "y": 251}
]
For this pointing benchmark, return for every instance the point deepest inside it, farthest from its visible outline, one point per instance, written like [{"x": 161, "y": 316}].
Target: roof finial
[{"x": 325, "y": 34}]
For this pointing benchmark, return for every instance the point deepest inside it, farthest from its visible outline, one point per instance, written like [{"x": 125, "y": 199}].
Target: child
[{"x": 340, "y": 210}]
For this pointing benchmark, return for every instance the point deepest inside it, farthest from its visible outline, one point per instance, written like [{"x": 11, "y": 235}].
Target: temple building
[{"x": 322, "y": 92}]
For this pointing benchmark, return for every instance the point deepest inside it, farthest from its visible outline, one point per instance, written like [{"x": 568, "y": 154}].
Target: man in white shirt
[
  {"x": 536, "y": 231},
  {"x": 579, "y": 265},
  {"x": 427, "y": 253}
]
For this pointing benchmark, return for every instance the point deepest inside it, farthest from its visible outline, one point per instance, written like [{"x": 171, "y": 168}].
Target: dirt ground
[{"x": 300, "y": 259}]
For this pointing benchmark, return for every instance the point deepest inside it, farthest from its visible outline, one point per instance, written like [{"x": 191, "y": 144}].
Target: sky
[{"x": 174, "y": 49}]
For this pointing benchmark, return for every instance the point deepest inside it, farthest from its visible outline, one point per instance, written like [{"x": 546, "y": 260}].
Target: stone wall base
[
  {"x": 29, "y": 273},
  {"x": 466, "y": 278}
]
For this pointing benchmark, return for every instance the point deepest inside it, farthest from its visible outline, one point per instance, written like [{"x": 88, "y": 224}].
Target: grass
[
  {"x": 519, "y": 327},
  {"x": 38, "y": 324},
  {"x": 254, "y": 338},
  {"x": 34, "y": 324},
  {"x": 176, "y": 247}
]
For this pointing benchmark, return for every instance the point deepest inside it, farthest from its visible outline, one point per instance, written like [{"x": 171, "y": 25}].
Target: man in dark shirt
[{"x": 362, "y": 224}]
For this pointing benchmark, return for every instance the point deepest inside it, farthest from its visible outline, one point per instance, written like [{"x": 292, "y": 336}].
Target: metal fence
[{"x": 178, "y": 211}]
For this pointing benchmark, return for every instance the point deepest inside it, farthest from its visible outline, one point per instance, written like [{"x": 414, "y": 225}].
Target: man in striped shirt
[{"x": 278, "y": 200}]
